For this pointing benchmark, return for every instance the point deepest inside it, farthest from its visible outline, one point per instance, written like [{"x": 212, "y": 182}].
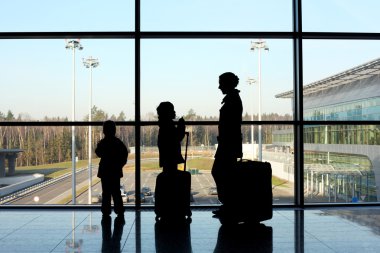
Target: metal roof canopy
[
  {"x": 363, "y": 71},
  {"x": 330, "y": 169}
]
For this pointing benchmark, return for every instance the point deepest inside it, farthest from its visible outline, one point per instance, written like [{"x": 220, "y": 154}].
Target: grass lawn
[{"x": 279, "y": 182}]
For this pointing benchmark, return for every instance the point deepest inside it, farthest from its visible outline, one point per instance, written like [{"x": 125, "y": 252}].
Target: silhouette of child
[
  {"x": 169, "y": 137},
  {"x": 113, "y": 156}
]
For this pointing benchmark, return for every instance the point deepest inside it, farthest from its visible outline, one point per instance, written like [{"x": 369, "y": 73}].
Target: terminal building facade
[{"x": 342, "y": 162}]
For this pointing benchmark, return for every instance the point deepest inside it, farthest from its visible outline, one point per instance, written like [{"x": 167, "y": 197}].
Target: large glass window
[
  {"x": 340, "y": 16},
  {"x": 200, "y": 159},
  {"x": 341, "y": 163},
  {"x": 38, "y": 79},
  {"x": 186, "y": 73},
  {"x": 216, "y": 15},
  {"x": 175, "y": 51},
  {"x": 36, "y": 164},
  {"x": 70, "y": 15},
  {"x": 341, "y": 85}
]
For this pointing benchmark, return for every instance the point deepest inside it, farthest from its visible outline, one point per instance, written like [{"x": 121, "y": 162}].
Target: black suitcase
[
  {"x": 249, "y": 196},
  {"x": 172, "y": 193}
]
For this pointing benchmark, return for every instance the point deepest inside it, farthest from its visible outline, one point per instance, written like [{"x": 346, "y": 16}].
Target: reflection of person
[
  {"x": 111, "y": 241},
  {"x": 229, "y": 134},
  {"x": 113, "y": 156},
  {"x": 169, "y": 137}
]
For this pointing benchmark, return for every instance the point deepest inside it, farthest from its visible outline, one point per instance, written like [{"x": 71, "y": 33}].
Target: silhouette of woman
[{"x": 229, "y": 134}]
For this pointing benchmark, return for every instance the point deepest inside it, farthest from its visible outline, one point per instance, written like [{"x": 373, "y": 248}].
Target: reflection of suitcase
[
  {"x": 172, "y": 193},
  {"x": 172, "y": 237},
  {"x": 249, "y": 194},
  {"x": 244, "y": 238}
]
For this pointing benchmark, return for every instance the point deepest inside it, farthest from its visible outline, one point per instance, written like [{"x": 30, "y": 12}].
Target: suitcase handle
[{"x": 187, "y": 143}]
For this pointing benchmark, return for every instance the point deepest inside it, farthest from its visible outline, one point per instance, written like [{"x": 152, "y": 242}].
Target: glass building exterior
[{"x": 341, "y": 161}]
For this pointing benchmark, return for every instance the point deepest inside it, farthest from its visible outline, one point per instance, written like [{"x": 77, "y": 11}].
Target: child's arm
[
  {"x": 181, "y": 128},
  {"x": 99, "y": 151}
]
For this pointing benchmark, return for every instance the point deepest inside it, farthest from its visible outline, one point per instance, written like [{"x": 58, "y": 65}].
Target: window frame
[{"x": 298, "y": 122}]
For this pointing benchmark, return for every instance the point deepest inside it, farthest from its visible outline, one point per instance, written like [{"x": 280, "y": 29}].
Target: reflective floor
[{"x": 323, "y": 230}]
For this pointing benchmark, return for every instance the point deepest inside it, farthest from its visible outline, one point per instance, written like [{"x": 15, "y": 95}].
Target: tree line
[{"x": 52, "y": 144}]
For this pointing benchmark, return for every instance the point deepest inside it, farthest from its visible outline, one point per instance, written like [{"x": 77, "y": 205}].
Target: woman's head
[
  {"x": 228, "y": 82},
  {"x": 166, "y": 110}
]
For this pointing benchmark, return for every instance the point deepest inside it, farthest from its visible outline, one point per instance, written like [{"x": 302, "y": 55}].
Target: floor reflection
[
  {"x": 327, "y": 230},
  {"x": 365, "y": 217},
  {"x": 111, "y": 242},
  {"x": 172, "y": 237},
  {"x": 244, "y": 238},
  {"x": 73, "y": 244}
]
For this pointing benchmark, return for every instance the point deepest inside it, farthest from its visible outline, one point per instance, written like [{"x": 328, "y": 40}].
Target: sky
[{"x": 36, "y": 76}]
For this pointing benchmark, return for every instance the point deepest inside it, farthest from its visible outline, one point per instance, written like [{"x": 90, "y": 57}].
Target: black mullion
[
  {"x": 298, "y": 104},
  {"x": 211, "y": 123},
  {"x": 62, "y": 123},
  {"x": 145, "y": 35},
  {"x": 190, "y": 35},
  {"x": 137, "y": 105},
  {"x": 144, "y": 123},
  {"x": 217, "y": 35},
  {"x": 340, "y": 36},
  {"x": 193, "y": 123},
  {"x": 67, "y": 35},
  {"x": 342, "y": 122}
]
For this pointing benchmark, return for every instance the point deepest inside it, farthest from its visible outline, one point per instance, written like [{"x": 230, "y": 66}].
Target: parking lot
[{"x": 201, "y": 183}]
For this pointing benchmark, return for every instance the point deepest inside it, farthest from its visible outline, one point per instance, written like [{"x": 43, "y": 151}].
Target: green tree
[{"x": 10, "y": 116}]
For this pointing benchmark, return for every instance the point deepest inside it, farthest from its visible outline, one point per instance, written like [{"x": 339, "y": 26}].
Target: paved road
[
  {"x": 51, "y": 191},
  {"x": 51, "y": 194},
  {"x": 201, "y": 184}
]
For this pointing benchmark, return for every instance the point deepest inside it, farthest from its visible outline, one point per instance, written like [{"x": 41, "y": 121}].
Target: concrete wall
[
  {"x": 18, "y": 183},
  {"x": 278, "y": 171}
]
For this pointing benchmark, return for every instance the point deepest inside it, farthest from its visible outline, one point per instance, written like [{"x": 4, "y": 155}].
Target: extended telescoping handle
[{"x": 187, "y": 143}]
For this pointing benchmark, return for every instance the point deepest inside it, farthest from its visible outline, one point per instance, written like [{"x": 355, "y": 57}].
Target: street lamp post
[
  {"x": 72, "y": 45},
  {"x": 90, "y": 63},
  {"x": 252, "y": 81},
  {"x": 258, "y": 45}
]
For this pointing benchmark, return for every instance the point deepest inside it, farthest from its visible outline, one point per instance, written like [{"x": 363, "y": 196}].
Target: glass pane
[
  {"x": 339, "y": 84},
  {"x": 341, "y": 163},
  {"x": 69, "y": 15},
  {"x": 127, "y": 182},
  {"x": 42, "y": 171},
  {"x": 38, "y": 74},
  {"x": 202, "y": 140},
  {"x": 149, "y": 163},
  {"x": 36, "y": 164},
  {"x": 340, "y": 16},
  {"x": 186, "y": 73},
  {"x": 216, "y": 15},
  {"x": 278, "y": 150}
]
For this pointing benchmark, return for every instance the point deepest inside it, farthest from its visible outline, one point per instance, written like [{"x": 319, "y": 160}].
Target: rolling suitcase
[
  {"x": 249, "y": 196},
  {"x": 172, "y": 193}
]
